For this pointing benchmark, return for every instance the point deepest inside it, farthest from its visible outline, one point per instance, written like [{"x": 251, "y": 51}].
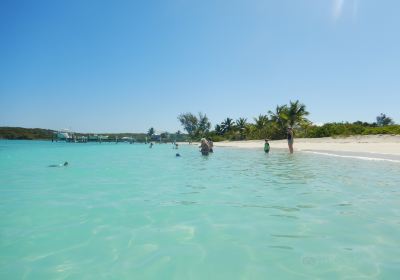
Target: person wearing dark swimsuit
[
  {"x": 204, "y": 147},
  {"x": 290, "y": 139}
]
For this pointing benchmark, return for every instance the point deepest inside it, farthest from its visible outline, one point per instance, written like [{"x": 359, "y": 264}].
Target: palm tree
[
  {"x": 228, "y": 124},
  {"x": 297, "y": 113},
  {"x": 241, "y": 124},
  {"x": 261, "y": 121},
  {"x": 219, "y": 129},
  {"x": 150, "y": 132},
  {"x": 280, "y": 116}
]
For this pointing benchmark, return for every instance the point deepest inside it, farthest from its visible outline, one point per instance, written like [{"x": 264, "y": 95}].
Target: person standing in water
[
  {"x": 266, "y": 146},
  {"x": 204, "y": 147},
  {"x": 290, "y": 139},
  {"x": 211, "y": 145}
]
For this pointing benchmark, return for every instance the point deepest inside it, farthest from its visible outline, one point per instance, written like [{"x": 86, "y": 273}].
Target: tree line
[
  {"x": 271, "y": 125},
  {"x": 20, "y": 133},
  {"x": 274, "y": 124}
]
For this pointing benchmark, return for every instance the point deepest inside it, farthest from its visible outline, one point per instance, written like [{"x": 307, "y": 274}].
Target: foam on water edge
[{"x": 361, "y": 157}]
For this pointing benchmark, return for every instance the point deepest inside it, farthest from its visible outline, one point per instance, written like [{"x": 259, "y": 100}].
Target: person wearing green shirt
[{"x": 266, "y": 146}]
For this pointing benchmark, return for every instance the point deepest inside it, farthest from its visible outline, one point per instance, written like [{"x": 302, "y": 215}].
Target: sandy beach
[{"x": 371, "y": 146}]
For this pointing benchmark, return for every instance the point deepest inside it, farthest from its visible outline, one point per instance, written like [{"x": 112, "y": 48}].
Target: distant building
[
  {"x": 156, "y": 137},
  {"x": 93, "y": 137}
]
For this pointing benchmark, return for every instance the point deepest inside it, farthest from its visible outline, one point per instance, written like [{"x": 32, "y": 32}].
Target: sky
[{"x": 125, "y": 66}]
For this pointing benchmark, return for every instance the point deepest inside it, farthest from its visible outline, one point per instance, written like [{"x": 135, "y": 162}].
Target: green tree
[
  {"x": 280, "y": 116},
  {"x": 219, "y": 130},
  {"x": 296, "y": 114},
  {"x": 383, "y": 120},
  {"x": 261, "y": 122},
  {"x": 241, "y": 125},
  {"x": 204, "y": 125},
  {"x": 195, "y": 126},
  {"x": 164, "y": 136},
  {"x": 151, "y": 132},
  {"x": 228, "y": 125},
  {"x": 189, "y": 122}
]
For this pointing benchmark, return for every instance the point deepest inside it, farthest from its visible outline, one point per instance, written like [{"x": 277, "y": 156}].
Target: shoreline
[{"x": 369, "y": 147}]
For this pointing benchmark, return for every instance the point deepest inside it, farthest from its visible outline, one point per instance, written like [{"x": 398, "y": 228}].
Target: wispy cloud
[
  {"x": 355, "y": 8},
  {"x": 337, "y": 8},
  {"x": 340, "y": 5}
]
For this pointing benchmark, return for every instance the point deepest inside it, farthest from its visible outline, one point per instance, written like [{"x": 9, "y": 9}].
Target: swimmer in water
[
  {"x": 177, "y": 155},
  {"x": 151, "y": 145},
  {"x": 59, "y": 165}
]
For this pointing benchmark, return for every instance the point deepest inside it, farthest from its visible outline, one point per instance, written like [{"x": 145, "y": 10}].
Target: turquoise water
[{"x": 129, "y": 212}]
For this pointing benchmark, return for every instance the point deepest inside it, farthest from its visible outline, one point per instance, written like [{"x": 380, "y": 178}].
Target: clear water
[{"x": 129, "y": 212}]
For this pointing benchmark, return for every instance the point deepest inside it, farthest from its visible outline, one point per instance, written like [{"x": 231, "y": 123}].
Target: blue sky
[{"x": 123, "y": 66}]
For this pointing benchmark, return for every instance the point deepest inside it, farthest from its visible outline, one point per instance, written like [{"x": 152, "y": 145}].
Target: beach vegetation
[
  {"x": 274, "y": 124},
  {"x": 196, "y": 126},
  {"x": 383, "y": 120},
  {"x": 296, "y": 114},
  {"x": 228, "y": 125},
  {"x": 189, "y": 123},
  {"x": 242, "y": 126},
  {"x": 20, "y": 133},
  {"x": 204, "y": 125}
]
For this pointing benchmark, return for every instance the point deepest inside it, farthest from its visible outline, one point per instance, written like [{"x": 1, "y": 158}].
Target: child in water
[{"x": 266, "y": 146}]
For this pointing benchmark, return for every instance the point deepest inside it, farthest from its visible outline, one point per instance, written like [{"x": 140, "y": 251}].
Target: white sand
[{"x": 376, "y": 144}]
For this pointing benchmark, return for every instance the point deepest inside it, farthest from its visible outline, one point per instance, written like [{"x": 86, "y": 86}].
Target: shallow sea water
[{"x": 129, "y": 212}]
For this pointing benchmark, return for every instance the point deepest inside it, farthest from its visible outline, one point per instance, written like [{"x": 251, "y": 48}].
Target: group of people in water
[{"x": 207, "y": 147}]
